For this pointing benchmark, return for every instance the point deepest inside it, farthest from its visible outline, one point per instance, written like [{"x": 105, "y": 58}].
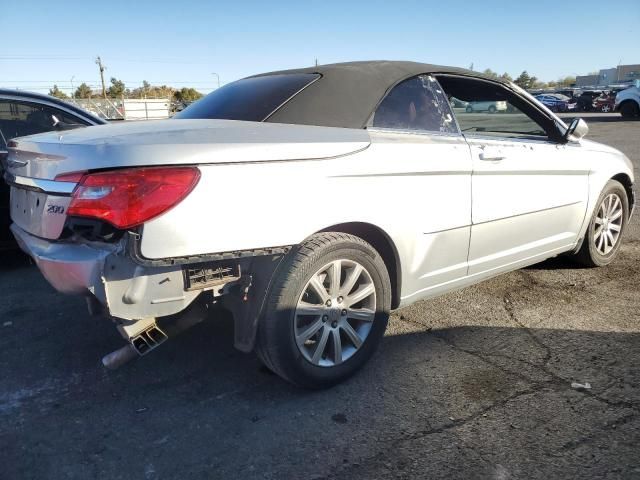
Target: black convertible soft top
[{"x": 348, "y": 93}]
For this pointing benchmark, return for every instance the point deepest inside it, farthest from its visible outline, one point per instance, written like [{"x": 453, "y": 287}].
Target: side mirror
[{"x": 577, "y": 129}]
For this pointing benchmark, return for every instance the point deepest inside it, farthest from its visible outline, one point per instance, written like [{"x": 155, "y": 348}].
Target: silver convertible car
[{"x": 310, "y": 203}]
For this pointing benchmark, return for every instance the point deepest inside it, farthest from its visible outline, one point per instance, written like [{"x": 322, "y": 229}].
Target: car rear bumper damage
[{"x": 135, "y": 294}]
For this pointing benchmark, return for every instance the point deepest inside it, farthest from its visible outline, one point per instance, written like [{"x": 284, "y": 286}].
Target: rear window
[{"x": 250, "y": 99}]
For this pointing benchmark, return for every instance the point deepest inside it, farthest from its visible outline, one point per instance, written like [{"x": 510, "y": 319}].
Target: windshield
[{"x": 251, "y": 99}]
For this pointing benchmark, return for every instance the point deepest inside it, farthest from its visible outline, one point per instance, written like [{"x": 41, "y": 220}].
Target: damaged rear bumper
[{"x": 128, "y": 291}]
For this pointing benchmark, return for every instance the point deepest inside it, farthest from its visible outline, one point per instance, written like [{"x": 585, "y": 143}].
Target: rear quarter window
[{"x": 250, "y": 99}]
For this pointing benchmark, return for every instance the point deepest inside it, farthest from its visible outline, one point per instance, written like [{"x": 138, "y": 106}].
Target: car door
[
  {"x": 529, "y": 191},
  {"x": 424, "y": 162}
]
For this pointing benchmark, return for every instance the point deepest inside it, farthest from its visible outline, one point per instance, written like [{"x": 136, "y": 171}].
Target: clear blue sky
[{"x": 182, "y": 43}]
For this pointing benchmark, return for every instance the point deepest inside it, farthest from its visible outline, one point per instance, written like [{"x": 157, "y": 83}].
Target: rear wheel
[
  {"x": 606, "y": 108},
  {"x": 492, "y": 109},
  {"x": 469, "y": 109},
  {"x": 327, "y": 311},
  {"x": 604, "y": 234}
]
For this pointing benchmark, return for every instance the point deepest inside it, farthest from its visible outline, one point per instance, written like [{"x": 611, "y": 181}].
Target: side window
[
  {"x": 18, "y": 119},
  {"x": 485, "y": 109},
  {"x": 417, "y": 104}
]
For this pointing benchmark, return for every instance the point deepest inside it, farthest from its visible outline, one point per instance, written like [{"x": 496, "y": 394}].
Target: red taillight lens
[
  {"x": 74, "y": 177},
  {"x": 129, "y": 197}
]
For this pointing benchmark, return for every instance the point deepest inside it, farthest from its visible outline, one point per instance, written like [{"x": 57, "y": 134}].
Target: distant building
[
  {"x": 628, "y": 73},
  {"x": 607, "y": 76},
  {"x": 587, "y": 80}
]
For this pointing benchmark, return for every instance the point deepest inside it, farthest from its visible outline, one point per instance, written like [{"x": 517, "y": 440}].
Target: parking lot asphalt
[{"x": 473, "y": 384}]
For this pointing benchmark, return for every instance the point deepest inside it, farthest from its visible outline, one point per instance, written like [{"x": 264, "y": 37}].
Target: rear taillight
[{"x": 129, "y": 197}]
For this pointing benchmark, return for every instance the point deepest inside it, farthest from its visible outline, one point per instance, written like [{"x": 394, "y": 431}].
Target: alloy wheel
[
  {"x": 608, "y": 224},
  {"x": 335, "y": 313}
]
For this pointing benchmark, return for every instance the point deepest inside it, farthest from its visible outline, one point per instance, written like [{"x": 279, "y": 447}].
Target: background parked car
[
  {"x": 25, "y": 113},
  {"x": 556, "y": 102},
  {"x": 585, "y": 100},
  {"x": 455, "y": 103},
  {"x": 628, "y": 101},
  {"x": 605, "y": 103},
  {"x": 491, "y": 107}
]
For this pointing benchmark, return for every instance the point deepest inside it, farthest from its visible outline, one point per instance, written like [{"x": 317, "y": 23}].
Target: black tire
[
  {"x": 492, "y": 109},
  {"x": 629, "y": 109},
  {"x": 469, "y": 109},
  {"x": 276, "y": 345},
  {"x": 588, "y": 254}
]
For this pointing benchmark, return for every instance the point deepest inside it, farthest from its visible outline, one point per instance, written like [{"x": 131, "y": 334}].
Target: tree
[
  {"x": 117, "y": 88},
  {"x": 566, "y": 81},
  {"x": 83, "y": 91},
  {"x": 490, "y": 73},
  {"x": 506, "y": 77},
  {"x": 525, "y": 81},
  {"x": 187, "y": 95},
  {"x": 56, "y": 92}
]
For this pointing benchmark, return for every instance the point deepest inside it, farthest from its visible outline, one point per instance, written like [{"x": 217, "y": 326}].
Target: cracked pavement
[{"x": 473, "y": 384}]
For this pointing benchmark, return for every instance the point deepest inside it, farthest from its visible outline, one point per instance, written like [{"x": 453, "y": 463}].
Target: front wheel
[
  {"x": 630, "y": 109},
  {"x": 327, "y": 311},
  {"x": 604, "y": 233}
]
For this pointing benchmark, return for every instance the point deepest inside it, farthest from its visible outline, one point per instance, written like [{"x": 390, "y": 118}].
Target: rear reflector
[{"x": 130, "y": 197}]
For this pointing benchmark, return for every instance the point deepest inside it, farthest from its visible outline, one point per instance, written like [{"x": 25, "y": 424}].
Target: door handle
[{"x": 492, "y": 156}]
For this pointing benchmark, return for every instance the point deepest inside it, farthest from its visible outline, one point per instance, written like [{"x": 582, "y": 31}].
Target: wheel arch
[
  {"x": 626, "y": 182},
  {"x": 383, "y": 244},
  {"x": 627, "y": 101}
]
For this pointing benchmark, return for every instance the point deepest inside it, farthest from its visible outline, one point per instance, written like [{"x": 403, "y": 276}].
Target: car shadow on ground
[
  {"x": 198, "y": 407},
  {"x": 14, "y": 259}
]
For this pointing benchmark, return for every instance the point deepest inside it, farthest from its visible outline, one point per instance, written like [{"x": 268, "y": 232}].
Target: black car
[
  {"x": 25, "y": 113},
  {"x": 586, "y": 98}
]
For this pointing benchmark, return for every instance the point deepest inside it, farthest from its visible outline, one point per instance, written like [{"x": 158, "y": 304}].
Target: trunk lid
[
  {"x": 38, "y": 203},
  {"x": 176, "y": 142}
]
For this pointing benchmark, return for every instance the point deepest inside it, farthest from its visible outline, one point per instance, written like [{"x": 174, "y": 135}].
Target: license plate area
[{"x": 38, "y": 213}]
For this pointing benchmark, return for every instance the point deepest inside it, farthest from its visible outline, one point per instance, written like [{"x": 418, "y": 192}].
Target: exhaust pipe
[
  {"x": 120, "y": 357},
  {"x": 151, "y": 338}
]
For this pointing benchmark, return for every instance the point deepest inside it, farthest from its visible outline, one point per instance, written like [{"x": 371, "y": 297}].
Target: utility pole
[
  {"x": 102, "y": 69},
  {"x": 73, "y": 92},
  {"x": 217, "y": 76},
  {"x": 316, "y": 62}
]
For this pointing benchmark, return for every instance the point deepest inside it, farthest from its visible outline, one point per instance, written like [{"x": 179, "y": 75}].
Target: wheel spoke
[
  {"x": 598, "y": 232},
  {"x": 352, "y": 334},
  {"x": 322, "y": 345},
  {"x": 309, "y": 332},
  {"x": 598, "y": 221},
  {"x": 360, "y": 294},
  {"x": 337, "y": 347},
  {"x": 362, "y": 314},
  {"x": 613, "y": 204},
  {"x": 305, "y": 308},
  {"x": 335, "y": 272},
  {"x": 600, "y": 243},
  {"x": 614, "y": 227},
  {"x": 350, "y": 281},
  {"x": 616, "y": 215},
  {"x": 611, "y": 240},
  {"x": 318, "y": 287}
]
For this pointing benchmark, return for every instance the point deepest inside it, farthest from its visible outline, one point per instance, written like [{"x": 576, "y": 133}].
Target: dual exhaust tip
[
  {"x": 140, "y": 345},
  {"x": 152, "y": 337}
]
